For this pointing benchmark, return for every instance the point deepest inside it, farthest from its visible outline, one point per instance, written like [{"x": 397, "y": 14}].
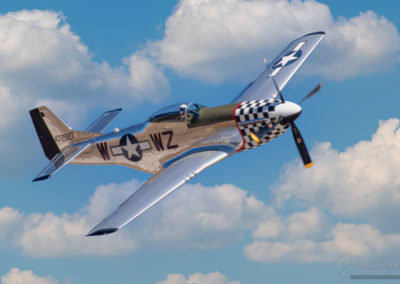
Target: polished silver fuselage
[{"x": 160, "y": 142}]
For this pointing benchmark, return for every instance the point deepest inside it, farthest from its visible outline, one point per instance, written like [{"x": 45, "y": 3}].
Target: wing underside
[
  {"x": 158, "y": 187},
  {"x": 281, "y": 69}
]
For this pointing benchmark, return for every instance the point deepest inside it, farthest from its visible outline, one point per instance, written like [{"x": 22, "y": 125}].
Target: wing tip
[
  {"x": 114, "y": 110},
  {"x": 41, "y": 178},
  {"x": 316, "y": 33},
  {"x": 102, "y": 232}
]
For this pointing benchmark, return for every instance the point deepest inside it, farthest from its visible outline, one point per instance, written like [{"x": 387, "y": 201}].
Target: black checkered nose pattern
[{"x": 263, "y": 117}]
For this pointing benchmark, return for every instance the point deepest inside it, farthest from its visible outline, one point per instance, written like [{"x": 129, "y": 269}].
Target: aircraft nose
[{"x": 289, "y": 111}]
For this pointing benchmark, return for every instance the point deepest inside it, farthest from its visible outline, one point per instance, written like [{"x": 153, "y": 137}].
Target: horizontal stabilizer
[
  {"x": 103, "y": 121},
  {"x": 59, "y": 161}
]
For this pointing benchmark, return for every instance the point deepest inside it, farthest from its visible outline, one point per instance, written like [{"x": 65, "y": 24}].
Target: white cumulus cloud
[
  {"x": 40, "y": 57},
  {"x": 42, "y": 61},
  {"x": 217, "y": 40},
  {"x": 194, "y": 217},
  {"x": 357, "y": 240},
  {"x": 362, "y": 182},
  {"x": 359, "y": 185},
  {"x": 18, "y": 276},
  {"x": 198, "y": 278}
]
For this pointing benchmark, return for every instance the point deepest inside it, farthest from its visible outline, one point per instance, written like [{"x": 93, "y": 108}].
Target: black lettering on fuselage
[
  {"x": 170, "y": 134},
  {"x": 102, "y": 147},
  {"x": 157, "y": 139}
]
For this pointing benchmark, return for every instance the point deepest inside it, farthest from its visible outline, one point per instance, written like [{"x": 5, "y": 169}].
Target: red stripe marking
[{"x": 237, "y": 125}]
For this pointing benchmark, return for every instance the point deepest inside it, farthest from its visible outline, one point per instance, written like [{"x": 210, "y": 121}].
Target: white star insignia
[
  {"x": 285, "y": 59},
  {"x": 132, "y": 149}
]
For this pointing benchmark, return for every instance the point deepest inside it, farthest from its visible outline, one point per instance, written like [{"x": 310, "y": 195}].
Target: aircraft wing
[
  {"x": 159, "y": 186},
  {"x": 281, "y": 69}
]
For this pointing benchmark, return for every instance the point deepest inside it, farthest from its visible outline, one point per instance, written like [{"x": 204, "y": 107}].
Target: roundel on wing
[{"x": 287, "y": 59}]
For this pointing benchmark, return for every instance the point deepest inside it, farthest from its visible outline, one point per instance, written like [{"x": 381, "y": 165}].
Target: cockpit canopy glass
[
  {"x": 175, "y": 112},
  {"x": 171, "y": 112}
]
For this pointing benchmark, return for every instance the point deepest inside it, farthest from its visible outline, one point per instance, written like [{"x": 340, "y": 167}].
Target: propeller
[
  {"x": 301, "y": 146},
  {"x": 298, "y": 139},
  {"x": 310, "y": 94}
]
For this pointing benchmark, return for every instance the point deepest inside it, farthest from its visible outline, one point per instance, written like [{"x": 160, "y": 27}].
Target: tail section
[
  {"x": 54, "y": 134},
  {"x": 57, "y": 138}
]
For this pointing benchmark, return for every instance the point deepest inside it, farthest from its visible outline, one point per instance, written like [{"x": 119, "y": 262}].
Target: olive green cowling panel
[{"x": 210, "y": 115}]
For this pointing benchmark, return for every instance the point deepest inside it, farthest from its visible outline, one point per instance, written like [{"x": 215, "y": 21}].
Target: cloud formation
[
  {"x": 17, "y": 276},
  {"x": 357, "y": 240},
  {"x": 41, "y": 58},
  {"x": 222, "y": 40},
  {"x": 199, "y": 278},
  {"x": 42, "y": 61},
  {"x": 194, "y": 217},
  {"x": 362, "y": 182}
]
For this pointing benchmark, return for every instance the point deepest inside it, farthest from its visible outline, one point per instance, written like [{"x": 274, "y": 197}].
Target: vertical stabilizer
[{"x": 53, "y": 133}]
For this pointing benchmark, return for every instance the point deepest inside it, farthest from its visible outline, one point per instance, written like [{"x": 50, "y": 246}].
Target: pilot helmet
[{"x": 183, "y": 108}]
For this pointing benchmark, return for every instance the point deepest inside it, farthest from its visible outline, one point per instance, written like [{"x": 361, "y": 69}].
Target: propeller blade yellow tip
[{"x": 309, "y": 165}]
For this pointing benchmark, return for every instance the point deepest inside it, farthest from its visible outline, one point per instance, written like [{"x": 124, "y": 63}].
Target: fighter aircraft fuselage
[{"x": 171, "y": 134}]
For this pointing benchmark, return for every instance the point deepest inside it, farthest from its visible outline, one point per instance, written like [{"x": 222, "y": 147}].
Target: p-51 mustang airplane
[{"x": 179, "y": 141}]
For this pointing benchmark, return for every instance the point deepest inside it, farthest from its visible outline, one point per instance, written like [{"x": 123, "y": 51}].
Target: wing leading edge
[
  {"x": 281, "y": 69},
  {"x": 158, "y": 187}
]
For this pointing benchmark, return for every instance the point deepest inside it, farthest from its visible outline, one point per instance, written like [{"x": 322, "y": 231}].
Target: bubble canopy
[{"x": 174, "y": 112}]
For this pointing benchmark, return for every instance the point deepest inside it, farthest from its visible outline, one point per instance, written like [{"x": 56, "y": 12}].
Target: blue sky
[{"x": 271, "y": 222}]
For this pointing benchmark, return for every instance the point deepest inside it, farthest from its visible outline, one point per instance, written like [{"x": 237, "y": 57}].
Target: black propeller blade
[
  {"x": 310, "y": 94},
  {"x": 301, "y": 146},
  {"x": 298, "y": 139},
  {"x": 277, "y": 89}
]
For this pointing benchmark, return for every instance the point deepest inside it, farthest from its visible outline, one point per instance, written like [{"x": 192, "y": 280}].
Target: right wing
[
  {"x": 158, "y": 187},
  {"x": 281, "y": 69}
]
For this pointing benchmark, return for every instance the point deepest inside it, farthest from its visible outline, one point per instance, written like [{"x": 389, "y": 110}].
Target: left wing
[
  {"x": 159, "y": 186},
  {"x": 281, "y": 69}
]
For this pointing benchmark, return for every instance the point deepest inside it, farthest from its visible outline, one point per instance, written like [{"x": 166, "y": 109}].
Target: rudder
[{"x": 54, "y": 135}]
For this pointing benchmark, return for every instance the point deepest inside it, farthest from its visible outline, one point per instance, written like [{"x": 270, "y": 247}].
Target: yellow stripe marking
[{"x": 254, "y": 137}]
